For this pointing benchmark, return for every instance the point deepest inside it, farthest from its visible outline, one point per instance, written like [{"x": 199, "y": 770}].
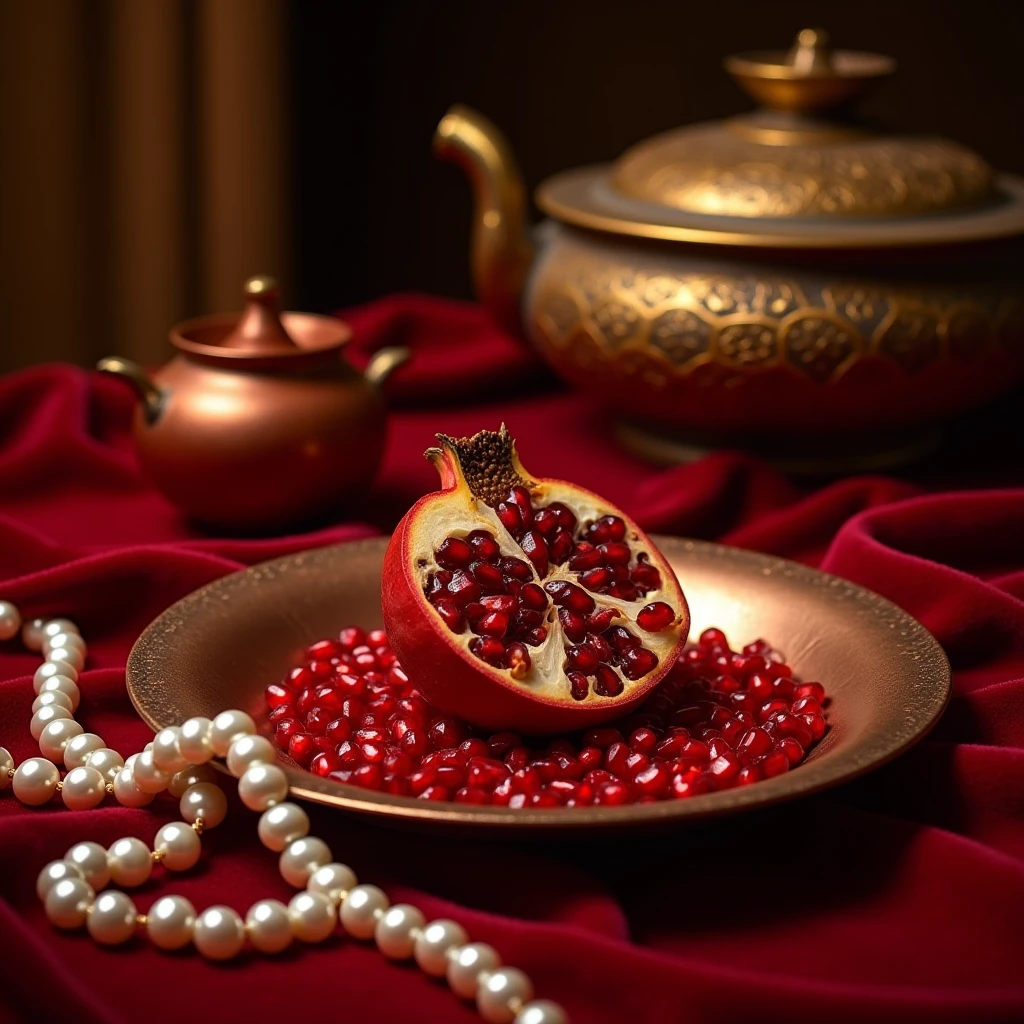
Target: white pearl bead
[
  {"x": 112, "y": 919},
  {"x": 32, "y": 634},
  {"x": 55, "y": 737},
  {"x": 218, "y": 933},
  {"x": 166, "y": 755},
  {"x": 44, "y": 716},
  {"x": 72, "y": 656},
  {"x": 194, "y": 740},
  {"x": 179, "y": 845},
  {"x": 191, "y": 776},
  {"x": 268, "y": 926},
  {"x": 106, "y": 761},
  {"x": 84, "y": 788},
  {"x": 312, "y": 916},
  {"x": 204, "y": 800},
  {"x": 68, "y": 902},
  {"x": 542, "y": 1011},
  {"x": 361, "y": 909},
  {"x": 281, "y": 825},
  {"x": 226, "y": 727},
  {"x": 6, "y": 767},
  {"x": 10, "y": 620},
  {"x": 127, "y": 793},
  {"x": 501, "y": 993},
  {"x": 466, "y": 964},
  {"x": 129, "y": 761},
  {"x": 78, "y": 750},
  {"x": 130, "y": 862},
  {"x": 333, "y": 880},
  {"x": 54, "y": 872},
  {"x": 54, "y": 626},
  {"x": 52, "y": 698},
  {"x": 170, "y": 922},
  {"x": 48, "y": 671},
  {"x": 35, "y": 781},
  {"x": 247, "y": 750},
  {"x": 433, "y": 943},
  {"x": 262, "y": 786},
  {"x": 58, "y": 640},
  {"x": 397, "y": 930},
  {"x": 301, "y": 858},
  {"x": 60, "y": 682},
  {"x": 91, "y": 860},
  {"x": 148, "y": 777}
]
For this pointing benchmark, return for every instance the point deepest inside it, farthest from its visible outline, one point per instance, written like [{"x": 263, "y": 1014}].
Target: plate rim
[{"x": 384, "y": 807}]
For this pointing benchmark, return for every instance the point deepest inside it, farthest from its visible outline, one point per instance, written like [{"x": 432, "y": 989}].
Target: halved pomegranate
[{"x": 526, "y": 604}]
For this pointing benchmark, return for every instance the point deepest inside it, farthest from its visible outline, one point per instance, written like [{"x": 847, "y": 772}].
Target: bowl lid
[{"x": 791, "y": 168}]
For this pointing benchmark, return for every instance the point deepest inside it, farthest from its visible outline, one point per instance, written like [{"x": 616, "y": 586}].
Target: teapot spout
[
  {"x": 152, "y": 397},
  {"x": 501, "y": 251}
]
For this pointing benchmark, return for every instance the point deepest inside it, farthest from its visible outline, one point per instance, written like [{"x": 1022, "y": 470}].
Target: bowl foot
[{"x": 822, "y": 457}]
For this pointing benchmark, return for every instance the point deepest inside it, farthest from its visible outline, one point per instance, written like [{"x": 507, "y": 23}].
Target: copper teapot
[{"x": 258, "y": 422}]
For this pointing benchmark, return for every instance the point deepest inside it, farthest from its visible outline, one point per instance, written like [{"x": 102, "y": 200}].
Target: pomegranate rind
[{"x": 438, "y": 661}]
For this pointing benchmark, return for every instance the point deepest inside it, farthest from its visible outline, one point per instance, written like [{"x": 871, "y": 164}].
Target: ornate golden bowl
[
  {"x": 789, "y": 273},
  {"x": 887, "y": 677}
]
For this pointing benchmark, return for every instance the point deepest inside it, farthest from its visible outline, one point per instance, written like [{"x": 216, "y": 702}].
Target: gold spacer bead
[
  {"x": 198, "y": 826},
  {"x": 109, "y": 787},
  {"x": 10, "y": 773},
  {"x": 157, "y": 856},
  {"x": 59, "y": 786},
  {"x": 141, "y": 920}
]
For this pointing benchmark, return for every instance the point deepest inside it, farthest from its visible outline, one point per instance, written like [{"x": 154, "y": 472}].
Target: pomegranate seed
[
  {"x": 608, "y": 683},
  {"x": 453, "y": 553},
  {"x": 795, "y": 727},
  {"x": 520, "y": 496},
  {"x": 577, "y": 600},
  {"x": 638, "y": 662},
  {"x": 531, "y": 596},
  {"x": 489, "y": 650},
  {"x": 519, "y": 661},
  {"x": 516, "y": 568},
  {"x": 816, "y": 724},
  {"x": 546, "y": 521},
  {"x": 510, "y": 516},
  {"x": 517, "y": 759},
  {"x": 560, "y": 547},
  {"x": 792, "y": 749},
  {"x": 713, "y": 638},
  {"x": 414, "y": 743},
  {"x": 300, "y": 748},
  {"x": 596, "y": 579},
  {"x": 752, "y": 773},
  {"x": 446, "y": 732},
  {"x": 645, "y": 575},
  {"x": 469, "y": 795},
  {"x": 351, "y": 637},
  {"x": 277, "y": 696},
  {"x": 806, "y": 705},
  {"x": 484, "y": 546},
  {"x": 815, "y": 690},
  {"x": 643, "y": 740},
  {"x": 586, "y": 556},
  {"x": 783, "y": 687},
  {"x": 535, "y": 637},
  {"x": 451, "y": 614},
  {"x": 754, "y": 743},
  {"x": 598, "y": 621},
  {"x": 583, "y": 659},
  {"x": 493, "y": 624},
  {"x": 769, "y": 708},
  {"x": 579, "y": 686},
  {"x": 536, "y": 550},
  {"x": 655, "y": 616},
  {"x": 612, "y": 794},
  {"x": 488, "y": 576},
  {"x": 621, "y": 639},
  {"x": 774, "y": 763},
  {"x": 573, "y": 625},
  {"x": 651, "y": 781}
]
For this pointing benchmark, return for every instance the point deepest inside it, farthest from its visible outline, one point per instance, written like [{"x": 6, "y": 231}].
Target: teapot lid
[
  {"x": 261, "y": 336},
  {"x": 797, "y": 172}
]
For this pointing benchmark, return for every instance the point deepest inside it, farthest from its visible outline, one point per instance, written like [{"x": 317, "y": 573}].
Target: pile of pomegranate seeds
[
  {"x": 497, "y": 596},
  {"x": 722, "y": 718}
]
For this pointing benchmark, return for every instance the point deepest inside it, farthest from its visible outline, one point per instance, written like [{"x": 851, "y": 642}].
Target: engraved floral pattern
[{"x": 819, "y": 345}]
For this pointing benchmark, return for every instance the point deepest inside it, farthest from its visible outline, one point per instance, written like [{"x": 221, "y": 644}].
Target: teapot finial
[{"x": 259, "y": 328}]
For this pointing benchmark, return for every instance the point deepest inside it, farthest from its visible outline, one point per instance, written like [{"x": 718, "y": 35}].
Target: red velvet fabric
[{"x": 900, "y": 897}]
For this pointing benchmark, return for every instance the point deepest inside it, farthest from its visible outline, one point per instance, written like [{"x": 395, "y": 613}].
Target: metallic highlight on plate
[{"x": 887, "y": 676}]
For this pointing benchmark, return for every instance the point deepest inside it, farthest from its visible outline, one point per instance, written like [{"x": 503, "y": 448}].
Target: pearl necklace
[{"x": 177, "y": 760}]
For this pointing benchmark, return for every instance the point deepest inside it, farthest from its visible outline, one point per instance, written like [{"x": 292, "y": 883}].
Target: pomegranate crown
[{"x": 486, "y": 463}]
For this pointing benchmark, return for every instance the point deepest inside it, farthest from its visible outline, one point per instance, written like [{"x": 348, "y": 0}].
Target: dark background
[{"x": 572, "y": 83}]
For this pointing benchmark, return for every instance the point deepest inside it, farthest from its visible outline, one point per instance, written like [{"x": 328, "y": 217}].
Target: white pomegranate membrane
[
  {"x": 721, "y": 719},
  {"x": 498, "y": 598}
]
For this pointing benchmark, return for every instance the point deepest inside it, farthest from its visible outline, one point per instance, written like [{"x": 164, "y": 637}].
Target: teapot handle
[
  {"x": 383, "y": 363},
  {"x": 153, "y": 398}
]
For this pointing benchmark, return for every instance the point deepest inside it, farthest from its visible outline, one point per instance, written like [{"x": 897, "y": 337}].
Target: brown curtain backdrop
[{"x": 144, "y": 170}]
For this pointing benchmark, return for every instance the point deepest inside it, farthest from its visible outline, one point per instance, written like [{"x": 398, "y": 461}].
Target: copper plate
[{"x": 888, "y": 678}]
